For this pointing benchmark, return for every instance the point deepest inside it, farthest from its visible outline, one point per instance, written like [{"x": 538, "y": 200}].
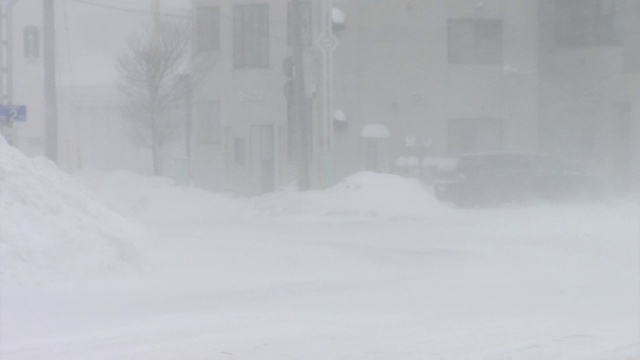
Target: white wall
[{"x": 392, "y": 68}]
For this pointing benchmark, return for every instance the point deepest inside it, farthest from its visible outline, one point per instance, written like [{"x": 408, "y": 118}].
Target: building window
[
  {"x": 207, "y": 28},
  {"x": 306, "y": 22},
  {"x": 585, "y": 23},
  {"x": 239, "y": 151},
  {"x": 475, "y": 41},
  {"x": 251, "y": 35},
  {"x": 208, "y": 122},
  {"x": 475, "y": 135}
]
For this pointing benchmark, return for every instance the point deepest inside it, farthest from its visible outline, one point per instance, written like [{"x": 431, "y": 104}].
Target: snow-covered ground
[{"x": 120, "y": 266}]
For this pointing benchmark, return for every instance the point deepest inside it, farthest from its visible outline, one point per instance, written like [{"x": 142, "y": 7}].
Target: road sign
[
  {"x": 13, "y": 113},
  {"x": 327, "y": 42}
]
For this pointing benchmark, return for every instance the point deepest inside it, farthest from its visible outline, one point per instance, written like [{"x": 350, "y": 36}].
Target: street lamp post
[
  {"x": 327, "y": 43},
  {"x": 6, "y": 51},
  {"x": 50, "y": 94},
  {"x": 6, "y": 62}
]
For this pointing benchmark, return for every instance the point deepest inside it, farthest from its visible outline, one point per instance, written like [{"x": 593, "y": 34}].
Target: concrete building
[
  {"x": 445, "y": 77},
  {"x": 427, "y": 79},
  {"x": 585, "y": 103},
  {"x": 241, "y": 131}
]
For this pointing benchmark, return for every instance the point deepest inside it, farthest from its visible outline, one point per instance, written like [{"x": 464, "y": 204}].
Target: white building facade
[
  {"x": 445, "y": 77},
  {"x": 436, "y": 78},
  {"x": 241, "y": 125}
]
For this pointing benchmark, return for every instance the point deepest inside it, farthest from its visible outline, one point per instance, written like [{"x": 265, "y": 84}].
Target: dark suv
[{"x": 495, "y": 178}]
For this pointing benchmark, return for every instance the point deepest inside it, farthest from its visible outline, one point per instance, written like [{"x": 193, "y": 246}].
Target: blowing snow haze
[{"x": 326, "y": 179}]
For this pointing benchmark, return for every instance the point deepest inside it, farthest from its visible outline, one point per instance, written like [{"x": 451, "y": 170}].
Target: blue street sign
[{"x": 13, "y": 113}]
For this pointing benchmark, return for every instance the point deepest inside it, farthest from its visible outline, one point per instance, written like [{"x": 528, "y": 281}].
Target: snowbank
[
  {"x": 365, "y": 196},
  {"x": 157, "y": 200},
  {"x": 51, "y": 228}
]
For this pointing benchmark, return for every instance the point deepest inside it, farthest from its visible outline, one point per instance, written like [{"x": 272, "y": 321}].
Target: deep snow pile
[
  {"x": 52, "y": 228},
  {"x": 365, "y": 196},
  {"x": 157, "y": 200},
  {"x": 362, "y": 196}
]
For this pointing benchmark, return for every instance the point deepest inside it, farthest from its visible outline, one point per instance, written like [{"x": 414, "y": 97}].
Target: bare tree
[{"x": 151, "y": 82}]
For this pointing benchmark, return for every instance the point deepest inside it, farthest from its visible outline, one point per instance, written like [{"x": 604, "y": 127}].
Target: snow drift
[
  {"x": 49, "y": 224},
  {"x": 364, "y": 196},
  {"x": 157, "y": 200}
]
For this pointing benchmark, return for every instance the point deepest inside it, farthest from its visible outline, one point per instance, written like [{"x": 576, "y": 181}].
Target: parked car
[{"x": 495, "y": 178}]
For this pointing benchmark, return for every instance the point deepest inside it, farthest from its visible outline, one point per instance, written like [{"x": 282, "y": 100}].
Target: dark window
[
  {"x": 585, "y": 23},
  {"x": 475, "y": 41},
  {"x": 239, "y": 151},
  {"x": 305, "y": 12},
  {"x": 251, "y": 35},
  {"x": 474, "y": 135},
  {"x": 207, "y": 28}
]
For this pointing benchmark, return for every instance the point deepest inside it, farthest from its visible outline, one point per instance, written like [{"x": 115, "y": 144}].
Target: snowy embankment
[
  {"x": 364, "y": 196},
  {"x": 373, "y": 267},
  {"x": 52, "y": 229}
]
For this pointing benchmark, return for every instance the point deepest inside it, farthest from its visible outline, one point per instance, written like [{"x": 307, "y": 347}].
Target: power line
[
  {"x": 129, "y": 10},
  {"x": 147, "y": 12}
]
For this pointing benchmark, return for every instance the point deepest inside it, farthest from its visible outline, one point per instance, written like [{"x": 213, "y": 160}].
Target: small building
[
  {"x": 585, "y": 102},
  {"x": 243, "y": 130},
  {"x": 445, "y": 77}
]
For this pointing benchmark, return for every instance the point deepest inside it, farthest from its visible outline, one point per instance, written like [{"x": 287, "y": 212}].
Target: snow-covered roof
[
  {"x": 339, "y": 115},
  {"x": 375, "y": 131}
]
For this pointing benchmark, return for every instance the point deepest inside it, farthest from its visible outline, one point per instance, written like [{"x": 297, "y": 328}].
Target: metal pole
[
  {"x": 188, "y": 117},
  {"x": 299, "y": 99},
  {"x": 329, "y": 73},
  {"x": 327, "y": 43},
  {"x": 10, "y": 51},
  {"x": 50, "y": 95},
  {"x": 6, "y": 62},
  {"x": 6, "y": 51}
]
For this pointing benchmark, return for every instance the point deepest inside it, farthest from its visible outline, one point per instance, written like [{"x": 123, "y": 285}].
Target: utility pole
[
  {"x": 300, "y": 100},
  {"x": 6, "y": 61},
  {"x": 188, "y": 115},
  {"x": 6, "y": 51},
  {"x": 327, "y": 43},
  {"x": 50, "y": 94}
]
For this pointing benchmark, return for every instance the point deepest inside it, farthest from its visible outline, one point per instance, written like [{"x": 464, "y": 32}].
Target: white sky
[{"x": 91, "y": 36}]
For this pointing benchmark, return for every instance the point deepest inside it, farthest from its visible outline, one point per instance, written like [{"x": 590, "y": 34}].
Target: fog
[
  {"x": 555, "y": 77},
  {"x": 420, "y": 179}
]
